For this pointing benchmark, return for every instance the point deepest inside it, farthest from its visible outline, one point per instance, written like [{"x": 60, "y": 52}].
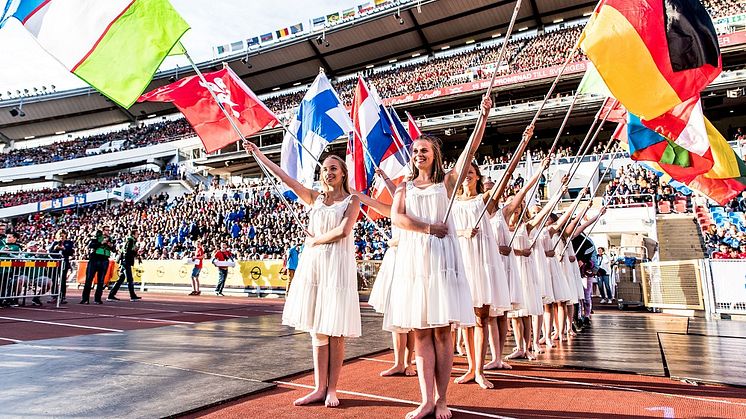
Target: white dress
[
  {"x": 323, "y": 296},
  {"x": 430, "y": 289},
  {"x": 485, "y": 272},
  {"x": 576, "y": 287},
  {"x": 532, "y": 304},
  {"x": 543, "y": 267},
  {"x": 380, "y": 295},
  {"x": 560, "y": 285},
  {"x": 503, "y": 235}
]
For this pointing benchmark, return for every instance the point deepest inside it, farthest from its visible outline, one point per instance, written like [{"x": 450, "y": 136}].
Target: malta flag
[
  {"x": 193, "y": 99},
  {"x": 652, "y": 54}
]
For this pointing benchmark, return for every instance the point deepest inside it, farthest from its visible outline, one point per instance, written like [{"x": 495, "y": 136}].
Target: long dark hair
[
  {"x": 480, "y": 184},
  {"x": 437, "y": 174}
]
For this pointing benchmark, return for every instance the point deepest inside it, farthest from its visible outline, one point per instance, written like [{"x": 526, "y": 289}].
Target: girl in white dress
[
  {"x": 380, "y": 295},
  {"x": 485, "y": 271},
  {"x": 431, "y": 291},
  {"x": 323, "y": 299}
]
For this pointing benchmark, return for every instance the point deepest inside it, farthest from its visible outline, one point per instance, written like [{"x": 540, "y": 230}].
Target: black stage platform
[{"x": 176, "y": 369}]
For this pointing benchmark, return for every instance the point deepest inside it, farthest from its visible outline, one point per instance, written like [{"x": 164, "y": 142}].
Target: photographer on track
[
  {"x": 127, "y": 254},
  {"x": 100, "y": 247}
]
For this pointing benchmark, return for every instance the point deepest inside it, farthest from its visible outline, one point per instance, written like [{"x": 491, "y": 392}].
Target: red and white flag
[
  {"x": 193, "y": 99},
  {"x": 414, "y": 130}
]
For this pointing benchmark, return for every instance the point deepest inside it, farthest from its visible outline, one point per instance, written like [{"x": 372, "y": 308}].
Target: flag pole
[
  {"x": 593, "y": 194},
  {"x": 524, "y": 141},
  {"x": 469, "y": 143},
  {"x": 242, "y": 138},
  {"x": 592, "y": 226}
]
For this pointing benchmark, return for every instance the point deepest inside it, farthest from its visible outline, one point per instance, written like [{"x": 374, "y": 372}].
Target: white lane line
[
  {"x": 109, "y": 316},
  {"x": 580, "y": 383},
  {"x": 11, "y": 340},
  {"x": 391, "y": 399},
  {"x": 105, "y": 329},
  {"x": 234, "y": 316}
]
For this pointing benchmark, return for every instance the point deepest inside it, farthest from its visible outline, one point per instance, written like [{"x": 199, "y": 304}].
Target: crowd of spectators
[
  {"x": 540, "y": 150},
  {"x": 253, "y": 221},
  {"x": 723, "y": 8},
  {"x": 635, "y": 184},
  {"x": 73, "y": 148},
  {"x": 81, "y": 187},
  {"x": 727, "y": 240}
]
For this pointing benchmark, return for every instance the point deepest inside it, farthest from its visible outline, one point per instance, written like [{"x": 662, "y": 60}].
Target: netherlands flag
[{"x": 376, "y": 131}]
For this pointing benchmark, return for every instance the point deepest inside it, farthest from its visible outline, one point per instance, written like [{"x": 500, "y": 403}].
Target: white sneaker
[{"x": 603, "y": 301}]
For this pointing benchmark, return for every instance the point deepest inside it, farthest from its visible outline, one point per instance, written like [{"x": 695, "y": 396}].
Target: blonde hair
[{"x": 437, "y": 174}]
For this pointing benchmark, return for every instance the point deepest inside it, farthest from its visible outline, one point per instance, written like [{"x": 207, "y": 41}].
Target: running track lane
[{"x": 527, "y": 391}]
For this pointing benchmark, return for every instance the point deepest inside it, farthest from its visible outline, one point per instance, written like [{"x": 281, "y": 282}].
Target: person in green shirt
[
  {"x": 127, "y": 255},
  {"x": 100, "y": 247},
  {"x": 9, "y": 249}
]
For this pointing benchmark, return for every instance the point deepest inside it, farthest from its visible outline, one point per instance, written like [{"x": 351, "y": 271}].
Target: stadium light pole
[{"x": 469, "y": 143}]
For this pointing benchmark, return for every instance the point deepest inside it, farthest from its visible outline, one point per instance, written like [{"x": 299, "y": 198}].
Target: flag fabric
[
  {"x": 281, "y": 33},
  {"x": 252, "y": 41},
  {"x": 362, "y": 8},
  {"x": 414, "y": 130},
  {"x": 116, "y": 46},
  {"x": 348, "y": 13},
  {"x": 400, "y": 132},
  {"x": 267, "y": 37},
  {"x": 236, "y": 46},
  {"x": 297, "y": 28},
  {"x": 193, "y": 99},
  {"x": 333, "y": 17},
  {"x": 222, "y": 49},
  {"x": 321, "y": 119},
  {"x": 381, "y": 2},
  {"x": 652, "y": 54},
  {"x": 318, "y": 21},
  {"x": 395, "y": 159},
  {"x": 373, "y": 131},
  {"x": 592, "y": 83}
]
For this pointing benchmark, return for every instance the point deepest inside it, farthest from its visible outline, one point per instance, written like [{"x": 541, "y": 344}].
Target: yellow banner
[{"x": 263, "y": 274}]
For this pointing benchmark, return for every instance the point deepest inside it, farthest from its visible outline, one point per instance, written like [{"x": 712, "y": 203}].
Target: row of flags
[{"x": 655, "y": 57}]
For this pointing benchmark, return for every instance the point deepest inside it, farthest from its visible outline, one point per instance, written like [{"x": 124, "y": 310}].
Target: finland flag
[{"x": 321, "y": 119}]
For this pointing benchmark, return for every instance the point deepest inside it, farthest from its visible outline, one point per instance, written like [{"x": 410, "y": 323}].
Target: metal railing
[
  {"x": 26, "y": 275},
  {"x": 673, "y": 285}
]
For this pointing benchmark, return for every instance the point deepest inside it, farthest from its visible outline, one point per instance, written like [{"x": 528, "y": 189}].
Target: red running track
[{"x": 526, "y": 391}]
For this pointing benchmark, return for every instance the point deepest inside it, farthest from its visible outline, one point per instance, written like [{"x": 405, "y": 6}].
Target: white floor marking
[
  {"x": 391, "y": 399},
  {"x": 105, "y": 329}
]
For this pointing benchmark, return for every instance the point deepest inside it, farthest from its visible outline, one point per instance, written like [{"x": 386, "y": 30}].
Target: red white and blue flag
[
  {"x": 376, "y": 131},
  {"x": 414, "y": 130}
]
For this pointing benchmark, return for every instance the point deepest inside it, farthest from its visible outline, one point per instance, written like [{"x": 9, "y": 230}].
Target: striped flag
[{"x": 116, "y": 46}]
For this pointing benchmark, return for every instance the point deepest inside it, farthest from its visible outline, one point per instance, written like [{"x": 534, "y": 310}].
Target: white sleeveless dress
[
  {"x": 542, "y": 268},
  {"x": 430, "y": 289},
  {"x": 380, "y": 295},
  {"x": 503, "y": 235},
  {"x": 573, "y": 280},
  {"x": 532, "y": 304},
  {"x": 323, "y": 296},
  {"x": 485, "y": 272},
  {"x": 560, "y": 285}
]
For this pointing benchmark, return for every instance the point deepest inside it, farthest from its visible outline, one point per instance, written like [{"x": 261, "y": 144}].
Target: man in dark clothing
[
  {"x": 223, "y": 255},
  {"x": 127, "y": 255},
  {"x": 65, "y": 248},
  {"x": 98, "y": 263},
  {"x": 9, "y": 248}
]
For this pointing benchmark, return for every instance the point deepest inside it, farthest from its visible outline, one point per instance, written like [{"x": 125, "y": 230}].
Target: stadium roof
[{"x": 427, "y": 27}]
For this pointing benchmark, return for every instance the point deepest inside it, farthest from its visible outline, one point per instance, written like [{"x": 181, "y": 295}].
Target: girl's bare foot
[
  {"x": 424, "y": 410},
  {"x": 315, "y": 396},
  {"x": 542, "y": 340},
  {"x": 516, "y": 354},
  {"x": 395, "y": 370},
  {"x": 483, "y": 381},
  {"x": 331, "y": 399},
  {"x": 550, "y": 344},
  {"x": 410, "y": 371},
  {"x": 442, "y": 411},
  {"x": 469, "y": 376}
]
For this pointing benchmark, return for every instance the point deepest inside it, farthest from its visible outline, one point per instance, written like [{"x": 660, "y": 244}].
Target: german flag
[{"x": 652, "y": 54}]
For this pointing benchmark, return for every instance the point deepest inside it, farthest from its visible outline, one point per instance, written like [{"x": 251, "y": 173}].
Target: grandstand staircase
[{"x": 679, "y": 238}]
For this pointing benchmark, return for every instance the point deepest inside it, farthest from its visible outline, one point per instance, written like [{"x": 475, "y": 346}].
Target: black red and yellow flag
[{"x": 652, "y": 54}]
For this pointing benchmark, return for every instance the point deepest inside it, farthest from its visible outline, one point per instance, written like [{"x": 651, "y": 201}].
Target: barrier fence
[
  {"x": 252, "y": 276},
  {"x": 673, "y": 285},
  {"x": 26, "y": 275},
  {"x": 727, "y": 280}
]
